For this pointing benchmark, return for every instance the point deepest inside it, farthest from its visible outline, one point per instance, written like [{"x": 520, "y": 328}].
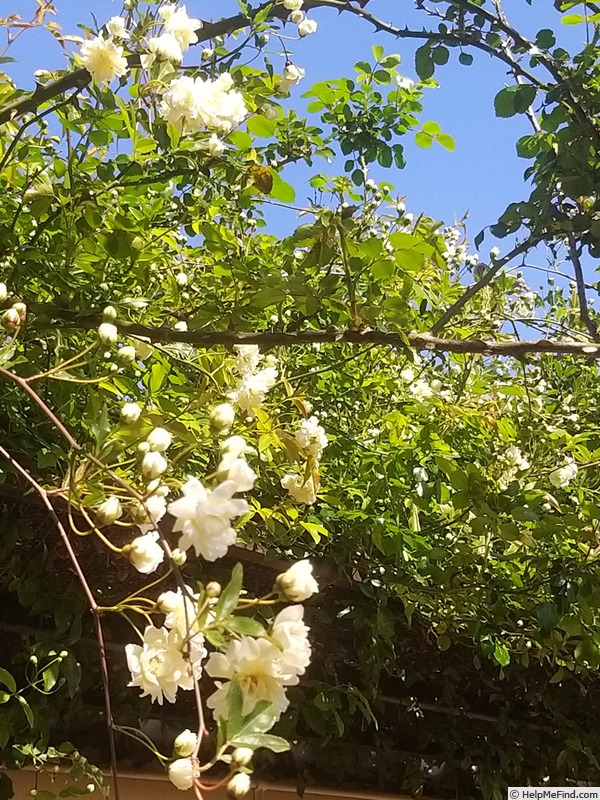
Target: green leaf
[
  {"x": 378, "y": 52},
  {"x": 545, "y": 38},
  {"x": 245, "y": 626},
  {"x": 281, "y": 190},
  {"x": 235, "y": 703},
  {"x": 230, "y": 594},
  {"x": 547, "y": 614},
  {"x": 432, "y": 128},
  {"x": 501, "y": 655},
  {"x": 6, "y": 787},
  {"x": 440, "y": 55},
  {"x": 446, "y": 141},
  {"x": 443, "y": 641},
  {"x": 423, "y": 139},
  {"x": 266, "y": 740},
  {"x": 424, "y": 63},
  {"x": 261, "y": 126},
  {"x": 514, "y": 100},
  {"x": 26, "y": 709},
  {"x": 466, "y": 59},
  {"x": 7, "y": 679},
  {"x": 572, "y": 19}
]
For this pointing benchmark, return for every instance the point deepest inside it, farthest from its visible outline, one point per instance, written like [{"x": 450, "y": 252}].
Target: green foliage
[{"x": 459, "y": 570}]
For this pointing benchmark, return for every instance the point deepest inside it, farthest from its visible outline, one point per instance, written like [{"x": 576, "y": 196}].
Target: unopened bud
[
  {"x": 3, "y": 292},
  {"x": 109, "y": 313},
  {"x": 213, "y": 589},
  {"x": 179, "y": 557},
  {"x": 11, "y": 319},
  {"x": 108, "y": 333},
  {"x": 242, "y": 756},
  {"x": 239, "y": 785},
  {"x": 126, "y": 355},
  {"x": 21, "y": 310}
]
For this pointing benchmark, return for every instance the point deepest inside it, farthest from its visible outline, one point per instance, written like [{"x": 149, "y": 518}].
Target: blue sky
[{"x": 481, "y": 176}]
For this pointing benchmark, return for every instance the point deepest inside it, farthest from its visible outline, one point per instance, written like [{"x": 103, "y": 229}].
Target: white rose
[
  {"x": 297, "y": 583},
  {"x": 109, "y": 510},
  {"x": 306, "y": 27},
  {"x": 185, "y": 743},
  {"x": 103, "y": 59},
  {"x": 153, "y": 465},
  {"x": 159, "y": 440},
  {"x": 181, "y": 773},
  {"x": 222, "y": 417},
  {"x": 116, "y": 27},
  {"x": 293, "y": 74},
  {"x": 145, "y": 553},
  {"x": 216, "y": 147}
]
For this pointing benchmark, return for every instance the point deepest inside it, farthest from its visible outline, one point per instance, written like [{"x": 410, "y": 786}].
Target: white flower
[
  {"x": 153, "y": 465},
  {"x": 216, "y": 147},
  {"x": 251, "y": 389},
  {"x": 110, "y": 510},
  {"x": 238, "y": 471},
  {"x": 185, "y": 743},
  {"x": 158, "y": 666},
  {"x": 297, "y": 583},
  {"x": 312, "y": 437},
  {"x": 293, "y": 74},
  {"x": 421, "y": 390},
  {"x": 149, "y": 513},
  {"x": 182, "y": 279},
  {"x": 302, "y": 491},
  {"x": 204, "y": 518},
  {"x": 180, "y": 326},
  {"x": 181, "y": 773},
  {"x": 194, "y": 103},
  {"x": 296, "y": 16},
  {"x": 180, "y": 25},
  {"x": 293, "y": 5},
  {"x": 256, "y": 664},
  {"x": 162, "y": 48},
  {"x": 222, "y": 417},
  {"x": 407, "y": 375},
  {"x": 239, "y": 785},
  {"x": 248, "y": 357},
  {"x": 108, "y": 333},
  {"x": 159, "y": 440},
  {"x": 103, "y": 59},
  {"x": 562, "y": 476},
  {"x": 3, "y": 292},
  {"x": 290, "y": 634},
  {"x": 494, "y": 253},
  {"x": 306, "y": 27},
  {"x": 145, "y": 553},
  {"x": 235, "y": 446},
  {"x": 116, "y": 27},
  {"x": 514, "y": 457}
]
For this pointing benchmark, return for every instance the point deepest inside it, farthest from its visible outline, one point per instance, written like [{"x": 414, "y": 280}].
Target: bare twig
[{"x": 584, "y": 311}]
